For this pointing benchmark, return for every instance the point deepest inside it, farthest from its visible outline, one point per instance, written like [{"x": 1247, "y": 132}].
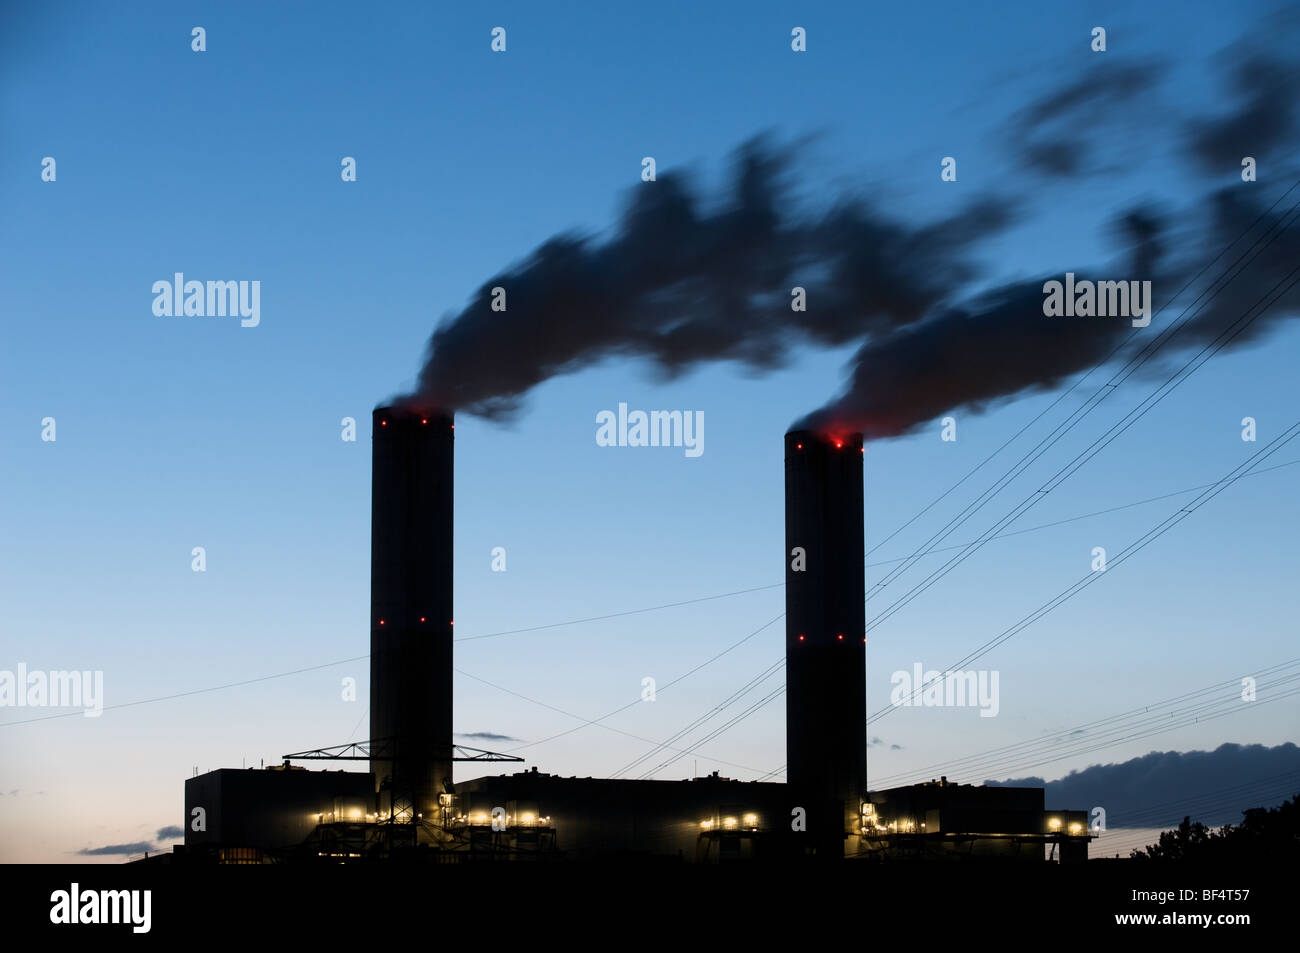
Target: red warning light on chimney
[
  {"x": 381, "y": 621},
  {"x": 801, "y": 638}
]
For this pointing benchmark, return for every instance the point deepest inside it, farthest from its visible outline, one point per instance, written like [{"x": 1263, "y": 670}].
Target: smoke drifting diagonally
[
  {"x": 1000, "y": 344},
  {"x": 681, "y": 282}
]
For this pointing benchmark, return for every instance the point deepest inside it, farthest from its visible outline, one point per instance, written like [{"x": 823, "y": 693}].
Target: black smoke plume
[
  {"x": 682, "y": 281},
  {"x": 998, "y": 344},
  {"x": 679, "y": 284}
]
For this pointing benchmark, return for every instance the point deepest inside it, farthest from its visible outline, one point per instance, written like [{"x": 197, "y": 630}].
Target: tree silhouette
[{"x": 1264, "y": 834}]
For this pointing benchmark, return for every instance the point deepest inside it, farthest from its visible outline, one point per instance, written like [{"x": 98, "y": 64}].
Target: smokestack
[
  {"x": 410, "y": 607},
  {"x": 825, "y": 649}
]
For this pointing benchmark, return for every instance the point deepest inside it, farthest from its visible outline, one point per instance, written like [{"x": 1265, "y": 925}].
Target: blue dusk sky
[{"x": 181, "y": 432}]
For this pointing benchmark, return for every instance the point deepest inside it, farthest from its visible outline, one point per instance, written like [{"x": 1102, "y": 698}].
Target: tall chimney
[
  {"x": 825, "y": 649},
  {"x": 410, "y": 607}
]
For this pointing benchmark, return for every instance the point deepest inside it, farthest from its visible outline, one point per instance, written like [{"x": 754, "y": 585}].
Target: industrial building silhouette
[{"x": 406, "y": 805}]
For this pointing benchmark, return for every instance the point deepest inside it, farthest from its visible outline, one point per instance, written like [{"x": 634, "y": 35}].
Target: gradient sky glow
[{"x": 183, "y": 432}]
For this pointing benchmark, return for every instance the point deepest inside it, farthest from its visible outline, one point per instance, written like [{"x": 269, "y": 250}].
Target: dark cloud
[
  {"x": 1160, "y": 788},
  {"x": 139, "y": 847},
  {"x": 484, "y": 736},
  {"x": 170, "y": 832}
]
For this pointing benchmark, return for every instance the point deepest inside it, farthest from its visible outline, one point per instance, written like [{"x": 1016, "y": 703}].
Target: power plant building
[{"x": 407, "y": 805}]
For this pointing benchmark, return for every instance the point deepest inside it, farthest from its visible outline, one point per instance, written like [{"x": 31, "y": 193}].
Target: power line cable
[
  {"x": 1080, "y": 460},
  {"x": 1141, "y": 543},
  {"x": 1040, "y": 744}
]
